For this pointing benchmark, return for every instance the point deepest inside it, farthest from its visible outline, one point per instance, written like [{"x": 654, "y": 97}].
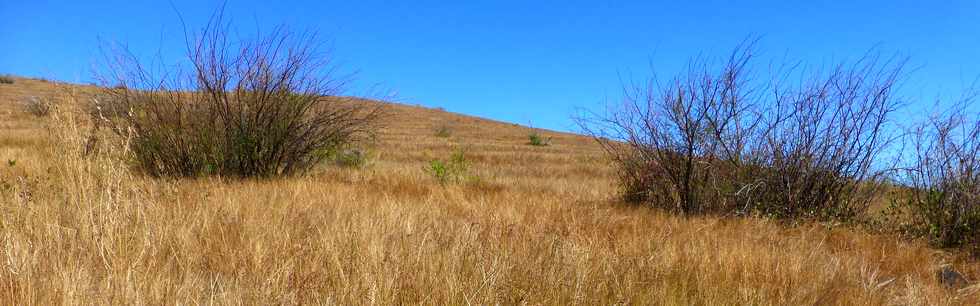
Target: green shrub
[
  {"x": 6, "y": 79},
  {"x": 350, "y": 158},
  {"x": 535, "y": 139},
  {"x": 452, "y": 170}
]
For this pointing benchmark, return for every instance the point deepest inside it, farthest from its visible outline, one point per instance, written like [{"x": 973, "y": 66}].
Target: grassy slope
[{"x": 541, "y": 226}]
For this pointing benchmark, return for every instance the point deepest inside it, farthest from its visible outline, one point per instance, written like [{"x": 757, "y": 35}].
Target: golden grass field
[{"x": 542, "y": 225}]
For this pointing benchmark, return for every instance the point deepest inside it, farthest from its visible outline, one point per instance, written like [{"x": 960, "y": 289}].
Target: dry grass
[{"x": 539, "y": 227}]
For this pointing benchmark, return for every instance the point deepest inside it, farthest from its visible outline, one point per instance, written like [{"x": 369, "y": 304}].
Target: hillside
[{"x": 532, "y": 225}]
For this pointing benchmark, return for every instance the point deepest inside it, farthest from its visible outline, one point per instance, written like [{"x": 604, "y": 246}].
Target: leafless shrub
[
  {"x": 267, "y": 106},
  {"x": 37, "y": 106},
  {"x": 678, "y": 134},
  {"x": 715, "y": 140},
  {"x": 944, "y": 179},
  {"x": 443, "y": 131},
  {"x": 822, "y": 141}
]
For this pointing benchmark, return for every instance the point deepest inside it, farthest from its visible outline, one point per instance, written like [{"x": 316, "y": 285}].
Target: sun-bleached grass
[{"x": 541, "y": 227}]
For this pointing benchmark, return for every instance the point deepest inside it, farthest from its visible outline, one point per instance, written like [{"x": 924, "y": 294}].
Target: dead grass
[{"x": 540, "y": 227}]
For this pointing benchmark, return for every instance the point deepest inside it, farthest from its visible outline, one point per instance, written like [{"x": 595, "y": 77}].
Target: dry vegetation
[
  {"x": 259, "y": 107},
  {"x": 726, "y": 139},
  {"x": 538, "y": 225}
]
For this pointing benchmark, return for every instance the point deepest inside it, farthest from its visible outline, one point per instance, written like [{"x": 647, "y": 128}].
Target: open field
[{"x": 540, "y": 225}]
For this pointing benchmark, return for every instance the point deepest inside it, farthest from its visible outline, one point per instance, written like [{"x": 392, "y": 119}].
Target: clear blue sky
[{"x": 517, "y": 61}]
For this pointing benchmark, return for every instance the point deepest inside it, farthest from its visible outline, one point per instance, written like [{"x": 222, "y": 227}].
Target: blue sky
[{"x": 517, "y": 61}]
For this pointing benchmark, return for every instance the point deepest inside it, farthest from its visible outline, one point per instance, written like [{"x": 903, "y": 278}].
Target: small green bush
[
  {"x": 350, "y": 158},
  {"x": 6, "y": 79},
  {"x": 452, "y": 170},
  {"x": 535, "y": 139}
]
